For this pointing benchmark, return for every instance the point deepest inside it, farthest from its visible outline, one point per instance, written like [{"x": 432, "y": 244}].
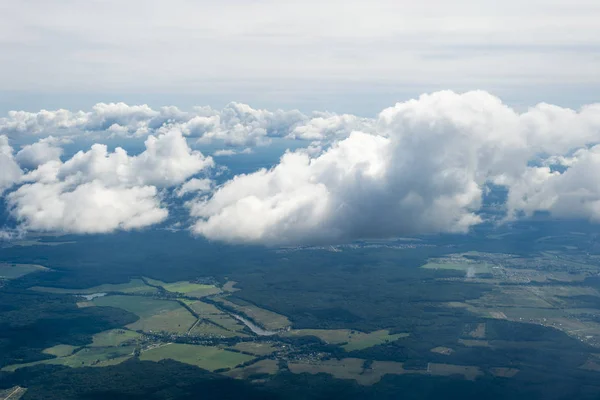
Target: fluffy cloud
[
  {"x": 100, "y": 191},
  {"x": 236, "y": 124},
  {"x": 10, "y": 172},
  {"x": 112, "y": 117},
  {"x": 424, "y": 169},
  {"x": 195, "y": 185},
  {"x": 573, "y": 193},
  {"x": 92, "y": 207},
  {"x": 33, "y": 155},
  {"x": 420, "y": 166}
]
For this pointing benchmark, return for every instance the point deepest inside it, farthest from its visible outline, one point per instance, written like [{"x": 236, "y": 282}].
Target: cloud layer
[
  {"x": 420, "y": 166},
  {"x": 424, "y": 170},
  {"x": 236, "y": 124}
]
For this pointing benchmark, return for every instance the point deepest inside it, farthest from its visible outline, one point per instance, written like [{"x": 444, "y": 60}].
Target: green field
[
  {"x": 267, "y": 319},
  {"x": 155, "y": 315},
  {"x": 61, "y": 350},
  {"x": 86, "y": 357},
  {"x": 350, "y": 340},
  {"x": 229, "y": 286},
  {"x": 133, "y": 286},
  {"x": 256, "y": 348},
  {"x": 270, "y": 367},
  {"x": 201, "y": 308},
  {"x": 14, "y": 271},
  {"x": 186, "y": 288},
  {"x": 206, "y": 329},
  {"x": 113, "y": 338},
  {"x": 209, "y": 358},
  {"x": 351, "y": 368}
]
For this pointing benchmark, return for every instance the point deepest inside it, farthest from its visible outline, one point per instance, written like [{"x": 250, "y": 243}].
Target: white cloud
[
  {"x": 33, "y": 155},
  {"x": 10, "y": 173},
  {"x": 419, "y": 166},
  {"x": 574, "y": 193},
  {"x": 331, "y": 126},
  {"x": 231, "y": 152},
  {"x": 99, "y": 191},
  {"x": 424, "y": 170},
  {"x": 195, "y": 185},
  {"x": 92, "y": 207}
]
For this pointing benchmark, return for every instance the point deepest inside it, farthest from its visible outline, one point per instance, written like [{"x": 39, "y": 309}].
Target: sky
[
  {"x": 378, "y": 119},
  {"x": 344, "y": 56}
]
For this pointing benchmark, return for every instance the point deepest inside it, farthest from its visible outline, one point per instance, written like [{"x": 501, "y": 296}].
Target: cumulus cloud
[
  {"x": 33, "y": 155},
  {"x": 195, "y": 185},
  {"x": 420, "y": 166},
  {"x": 10, "y": 172},
  {"x": 423, "y": 169},
  {"x": 98, "y": 191},
  {"x": 573, "y": 193},
  {"x": 236, "y": 124},
  {"x": 117, "y": 118}
]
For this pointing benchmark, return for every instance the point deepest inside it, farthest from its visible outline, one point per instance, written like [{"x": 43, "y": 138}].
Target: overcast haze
[{"x": 346, "y": 56}]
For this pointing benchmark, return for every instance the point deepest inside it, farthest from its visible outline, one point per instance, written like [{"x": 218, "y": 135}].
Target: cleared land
[
  {"x": 468, "y": 372},
  {"x": 229, "y": 286},
  {"x": 61, "y": 350},
  {"x": 86, "y": 357},
  {"x": 206, "y": 329},
  {"x": 353, "y": 368},
  {"x": 133, "y": 286},
  {"x": 267, "y": 319},
  {"x": 201, "y": 308},
  {"x": 14, "y": 271},
  {"x": 155, "y": 315},
  {"x": 258, "y": 349},
  {"x": 186, "y": 288},
  {"x": 205, "y": 357},
  {"x": 350, "y": 340},
  {"x": 261, "y": 367},
  {"x": 113, "y": 337}
]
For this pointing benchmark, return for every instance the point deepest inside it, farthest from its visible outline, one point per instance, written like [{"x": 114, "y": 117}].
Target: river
[{"x": 253, "y": 327}]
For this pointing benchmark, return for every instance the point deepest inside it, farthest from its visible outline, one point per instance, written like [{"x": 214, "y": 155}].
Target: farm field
[
  {"x": 349, "y": 339},
  {"x": 60, "y": 350},
  {"x": 86, "y": 357},
  {"x": 209, "y": 358},
  {"x": 468, "y": 372},
  {"x": 201, "y": 308},
  {"x": 256, "y": 348},
  {"x": 267, "y": 319},
  {"x": 14, "y": 271},
  {"x": 186, "y": 288},
  {"x": 113, "y": 337},
  {"x": 133, "y": 286},
  {"x": 353, "y": 368},
  {"x": 155, "y": 315},
  {"x": 270, "y": 367},
  {"x": 206, "y": 329},
  {"x": 229, "y": 286}
]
